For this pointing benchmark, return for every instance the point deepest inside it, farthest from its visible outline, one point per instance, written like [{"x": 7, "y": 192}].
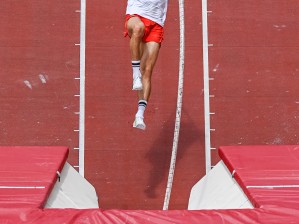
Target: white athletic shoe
[
  {"x": 139, "y": 123},
  {"x": 137, "y": 83}
]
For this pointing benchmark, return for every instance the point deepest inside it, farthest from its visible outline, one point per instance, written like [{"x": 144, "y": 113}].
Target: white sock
[
  {"x": 136, "y": 69},
  {"x": 141, "y": 108}
]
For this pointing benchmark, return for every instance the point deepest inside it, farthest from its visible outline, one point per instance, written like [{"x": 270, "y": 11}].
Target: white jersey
[{"x": 154, "y": 10}]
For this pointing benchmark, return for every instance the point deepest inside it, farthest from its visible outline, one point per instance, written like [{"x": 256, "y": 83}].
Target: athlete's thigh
[{"x": 150, "y": 54}]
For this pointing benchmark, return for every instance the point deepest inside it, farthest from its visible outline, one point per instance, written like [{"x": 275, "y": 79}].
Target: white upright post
[
  {"x": 82, "y": 87},
  {"x": 206, "y": 85}
]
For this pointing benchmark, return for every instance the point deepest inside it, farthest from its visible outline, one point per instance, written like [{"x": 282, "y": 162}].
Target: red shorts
[{"x": 153, "y": 31}]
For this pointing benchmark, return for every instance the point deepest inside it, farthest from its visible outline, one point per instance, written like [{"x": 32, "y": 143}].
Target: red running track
[
  {"x": 253, "y": 62},
  {"x": 39, "y": 61},
  {"x": 128, "y": 167}
]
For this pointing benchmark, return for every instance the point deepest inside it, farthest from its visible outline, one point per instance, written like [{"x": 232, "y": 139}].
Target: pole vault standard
[
  {"x": 179, "y": 106},
  {"x": 82, "y": 87},
  {"x": 205, "y": 49}
]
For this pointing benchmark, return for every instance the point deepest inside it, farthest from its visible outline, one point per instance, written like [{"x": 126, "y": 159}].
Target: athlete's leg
[
  {"x": 149, "y": 57},
  {"x": 136, "y": 31},
  {"x": 148, "y": 61}
]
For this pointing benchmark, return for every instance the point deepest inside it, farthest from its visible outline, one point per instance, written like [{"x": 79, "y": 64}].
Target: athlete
[{"x": 144, "y": 25}]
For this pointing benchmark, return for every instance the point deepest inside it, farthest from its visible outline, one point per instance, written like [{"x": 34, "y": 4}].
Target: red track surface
[
  {"x": 128, "y": 167},
  {"x": 37, "y": 45},
  {"x": 254, "y": 60}
]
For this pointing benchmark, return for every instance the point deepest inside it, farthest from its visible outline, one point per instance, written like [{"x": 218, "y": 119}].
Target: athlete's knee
[
  {"x": 148, "y": 69},
  {"x": 147, "y": 73},
  {"x": 145, "y": 70},
  {"x": 138, "y": 30}
]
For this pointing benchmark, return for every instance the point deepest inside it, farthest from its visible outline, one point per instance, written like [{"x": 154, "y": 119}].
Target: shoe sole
[
  {"x": 139, "y": 126},
  {"x": 137, "y": 88}
]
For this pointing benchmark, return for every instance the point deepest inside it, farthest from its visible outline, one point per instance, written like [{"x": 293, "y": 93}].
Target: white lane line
[
  {"x": 22, "y": 187},
  {"x": 179, "y": 107},
  {"x": 274, "y": 186}
]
